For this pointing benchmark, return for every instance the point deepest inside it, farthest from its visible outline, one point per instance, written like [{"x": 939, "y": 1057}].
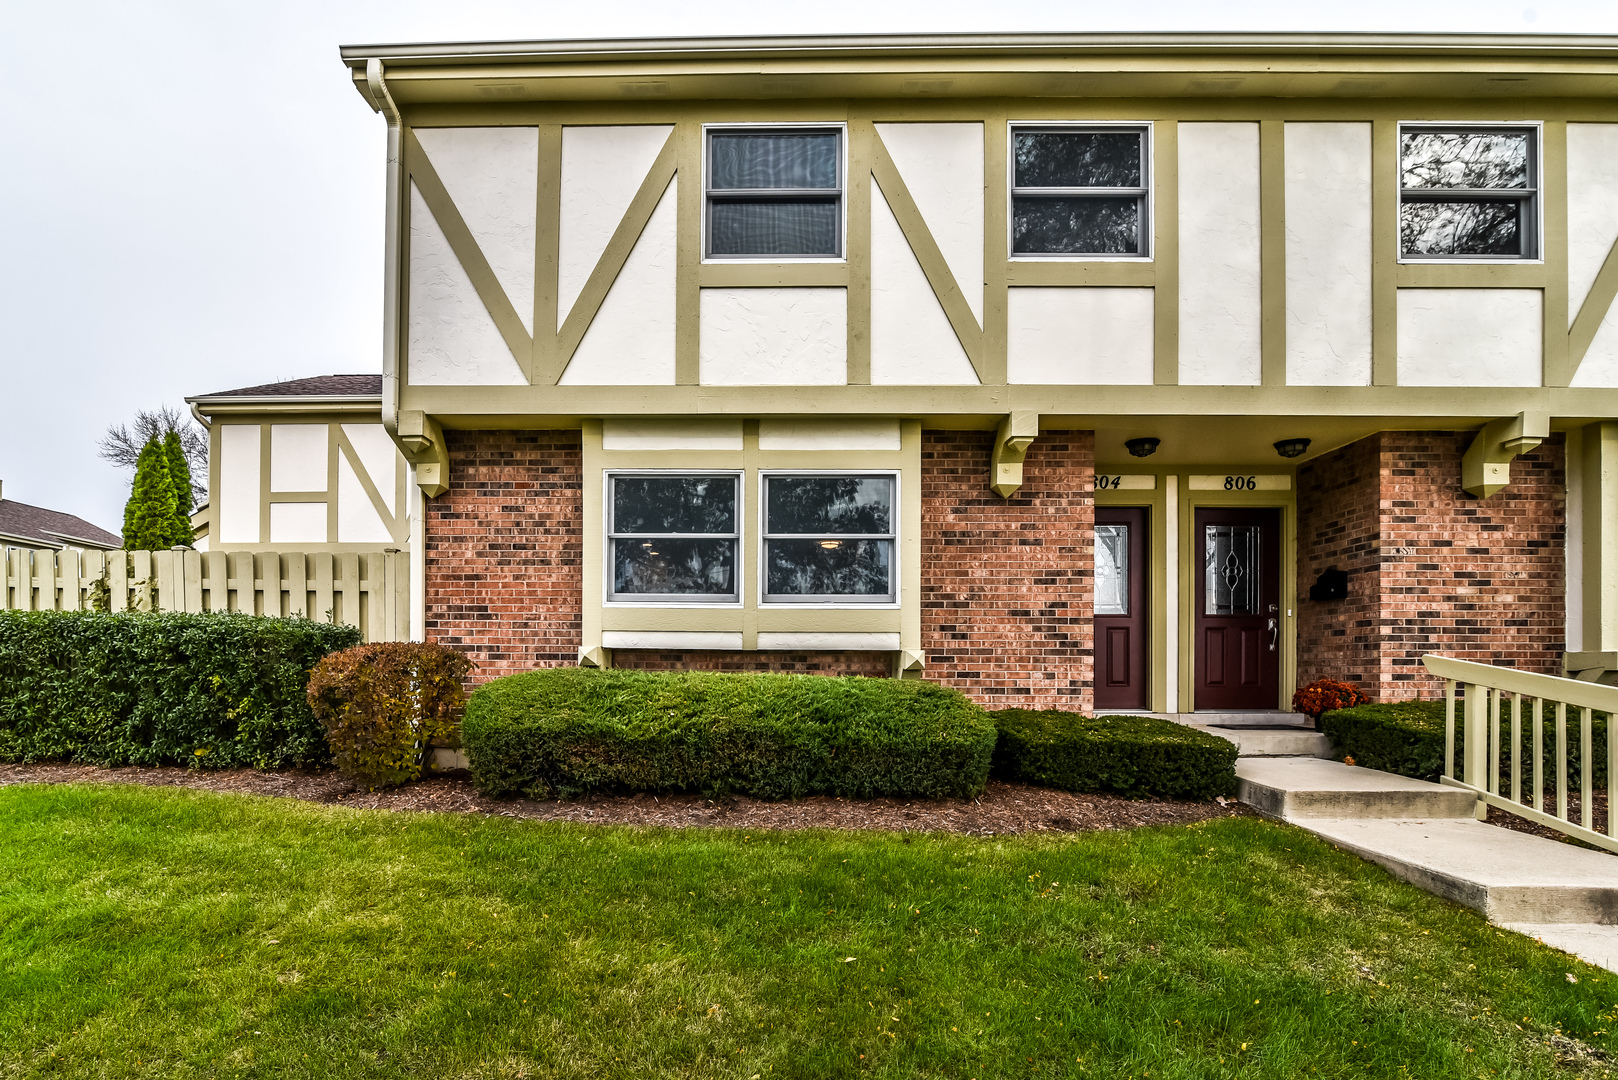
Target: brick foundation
[
  {"x": 1432, "y": 569},
  {"x": 504, "y": 581},
  {"x": 1007, "y": 584}
]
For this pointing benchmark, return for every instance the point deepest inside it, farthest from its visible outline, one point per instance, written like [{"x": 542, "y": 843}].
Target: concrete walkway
[{"x": 1429, "y": 835}]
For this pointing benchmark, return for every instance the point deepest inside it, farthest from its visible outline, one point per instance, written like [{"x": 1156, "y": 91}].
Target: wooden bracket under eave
[
  {"x": 1017, "y": 433},
  {"x": 1486, "y": 468},
  {"x": 422, "y": 438},
  {"x": 908, "y": 664}
]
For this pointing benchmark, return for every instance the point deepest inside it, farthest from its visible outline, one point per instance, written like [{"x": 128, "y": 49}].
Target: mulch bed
[
  {"x": 1002, "y": 809},
  {"x": 1598, "y": 806}
]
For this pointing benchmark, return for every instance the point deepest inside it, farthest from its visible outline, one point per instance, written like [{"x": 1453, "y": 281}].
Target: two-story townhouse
[{"x": 1089, "y": 371}]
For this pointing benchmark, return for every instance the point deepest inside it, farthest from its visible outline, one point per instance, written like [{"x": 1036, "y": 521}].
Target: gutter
[
  {"x": 336, "y": 401},
  {"x": 376, "y": 92}
]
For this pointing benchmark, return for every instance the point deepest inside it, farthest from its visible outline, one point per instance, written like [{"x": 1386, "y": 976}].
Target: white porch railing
[
  {"x": 370, "y": 591},
  {"x": 1508, "y": 707}
]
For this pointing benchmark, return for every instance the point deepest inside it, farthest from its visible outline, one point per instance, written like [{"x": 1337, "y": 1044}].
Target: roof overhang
[
  {"x": 214, "y": 405},
  {"x": 998, "y": 65}
]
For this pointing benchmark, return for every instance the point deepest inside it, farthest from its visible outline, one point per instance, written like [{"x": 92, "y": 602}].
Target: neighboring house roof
[
  {"x": 24, "y": 524},
  {"x": 345, "y": 386}
]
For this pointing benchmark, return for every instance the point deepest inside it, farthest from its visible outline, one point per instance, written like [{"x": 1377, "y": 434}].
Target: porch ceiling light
[
  {"x": 1142, "y": 447},
  {"x": 1290, "y": 448}
]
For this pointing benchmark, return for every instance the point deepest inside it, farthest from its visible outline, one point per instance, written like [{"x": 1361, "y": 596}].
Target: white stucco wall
[
  {"x": 453, "y": 338},
  {"x": 774, "y": 337},
  {"x": 1220, "y": 313},
  {"x": 298, "y": 457},
  {"x": 1592, "y": 229},
  {"x": 1470, "y": 337},
  {"x": 842, "y": 434},
  {"x": 942, "y": 166},
  {"x": 357, "y": 520},
  {"x": 380, "y": 458},
  {"x": 492, "y": 176},
  {"x": 1080, "y": 336},
  {"x": 630, "y": 342},
  {"x": 602, "y": 168},
  {"x": 912, "y": 341},
  {"x": 298, "y": 523},
  {"x": 238, "y": 494},
  {"x": 1328, "y": 216}
]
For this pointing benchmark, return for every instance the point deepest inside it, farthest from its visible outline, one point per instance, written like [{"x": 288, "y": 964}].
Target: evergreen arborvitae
[
  {"x": 149, "y": 514},
  {"x": 180, "y": 478}
]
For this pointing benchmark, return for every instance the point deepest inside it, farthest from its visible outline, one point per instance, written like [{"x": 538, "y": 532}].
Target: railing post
[
  {"x": 1475, "y": 746},
  {"x": 1449, "y": 728}
]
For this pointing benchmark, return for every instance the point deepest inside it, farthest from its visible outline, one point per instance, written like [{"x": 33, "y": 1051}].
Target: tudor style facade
[{"x": 1083, "y": 371}]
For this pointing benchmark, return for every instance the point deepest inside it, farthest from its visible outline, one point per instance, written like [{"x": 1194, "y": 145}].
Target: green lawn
[{"x": 152, "y": 932}]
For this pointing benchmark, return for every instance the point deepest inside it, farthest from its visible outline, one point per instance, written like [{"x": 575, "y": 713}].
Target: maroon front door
[
  {"x": 1120, "y": 608},
  {"x": 1238, "y": 638}
]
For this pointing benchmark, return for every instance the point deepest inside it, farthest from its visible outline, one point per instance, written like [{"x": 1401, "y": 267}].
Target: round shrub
[{"x": 384, "y": 704}]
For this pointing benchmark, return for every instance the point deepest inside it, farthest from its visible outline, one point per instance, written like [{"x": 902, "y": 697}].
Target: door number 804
[{"x": 1241, "y": 483}]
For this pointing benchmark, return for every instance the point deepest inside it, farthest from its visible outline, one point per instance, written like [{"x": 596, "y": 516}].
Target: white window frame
[
  {"x": 762, "y": 127},
  {"x": 1531, "y": 223},
  {"x": 1147, "y": 193},
  {"x": 664, "y": 600},
  {"x": 895, "y": 574}
]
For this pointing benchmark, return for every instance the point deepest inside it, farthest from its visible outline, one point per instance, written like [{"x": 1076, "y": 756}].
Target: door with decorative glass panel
[
  {"x": 1238, "y": 605},
  {"x": 1120, "y": 609}
]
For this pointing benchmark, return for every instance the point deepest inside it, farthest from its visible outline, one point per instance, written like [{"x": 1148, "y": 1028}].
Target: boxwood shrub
[
  {"x": 562, "y": 731},
  {"x": 1137, "y": 756},
  {"x": 1407, "y": 738},
  {"x": 214, "y": 691}
]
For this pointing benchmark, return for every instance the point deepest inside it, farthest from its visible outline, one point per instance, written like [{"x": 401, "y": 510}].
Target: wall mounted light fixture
[
  {"x": 1143, "y": 447},
  {"x": 1292, "y": 447}
]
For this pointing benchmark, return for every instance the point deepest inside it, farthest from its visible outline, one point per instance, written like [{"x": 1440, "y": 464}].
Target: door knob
[{"x": 1275, "y": 634}]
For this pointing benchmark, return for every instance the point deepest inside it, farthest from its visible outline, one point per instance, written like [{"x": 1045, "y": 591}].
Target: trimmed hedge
[
  {"x": 216, "y": 691},
  {"x": 1137, "y": 756},
  {"x": 562, "y": 731},
  {"x": 1407, "y": 738}
]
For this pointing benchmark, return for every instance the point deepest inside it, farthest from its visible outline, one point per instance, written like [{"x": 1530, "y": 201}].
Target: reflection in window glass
[
  {"x": 1467, "y": 193},
  {"x": 1231, "y": 577},
  {"x": 1077, "y": 192},
  {"x": 828, "y": 538},
  {"x": 1112, "y": 569},
  {"x": 674, "y": 537},
  {"x": 774, "y": 193}
]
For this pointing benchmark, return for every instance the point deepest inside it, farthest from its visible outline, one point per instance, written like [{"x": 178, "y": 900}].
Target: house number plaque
[
  {"x": 1125, "y": 482},
  {"x": 1241, "y": 482}
]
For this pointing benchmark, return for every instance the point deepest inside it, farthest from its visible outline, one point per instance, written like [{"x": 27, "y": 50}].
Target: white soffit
[
  {"x": 453, "y": 338},
  {"x": 357, "y": 519},
  {"x": 671, "y": 639},
  {"x": 774, "y": 337},
  {"x": 1220, "y": 263},
  {"x": 671, "y": 435},
  {"x": 912, "y": 340},
  {"x": 1470, "y": 337},
  {"x": 849, "y": 434},
  {"x": 239, "y": 480},
  {"x": 378, "y": 457},
  {"x": 942, "y": 166},
  {"x": 492, "y": 175},
  {"x": 298, "y": 457},
  {"x": 1080, "y": 336},
  {"x": 298, "y": 523},
  {"x": 1592, "y": 206},
  {"x": 630, "y": 341},
  {"x": 602, "y": 169},
  {"x": 1328, "y": 241}
]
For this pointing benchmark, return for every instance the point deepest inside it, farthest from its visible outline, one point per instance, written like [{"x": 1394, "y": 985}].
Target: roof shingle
[
  {"x": 316, "y": 386},
  {"x": 49, "y": 528}
]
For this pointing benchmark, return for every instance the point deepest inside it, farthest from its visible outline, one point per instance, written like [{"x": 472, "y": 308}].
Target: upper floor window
[
  {"x": 1079, "y": 190},
  {"x": 828, "y": 538},
  {"x": 673, "y": 537},
  {"x": 1468, "y": 192},
  {"x": 775, "y": 192}
]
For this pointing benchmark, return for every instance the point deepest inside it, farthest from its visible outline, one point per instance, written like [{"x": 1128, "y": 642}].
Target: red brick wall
[
  {"x": 1478, "y": 579},
  {"x": 1339, "y": 524},
  {"x": 503, "y": 575},
  {"x": 877, "y": 665},
  {"x": 1007, "y": 584}
]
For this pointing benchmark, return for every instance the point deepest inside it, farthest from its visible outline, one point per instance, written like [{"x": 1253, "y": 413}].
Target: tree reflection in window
[
  {"x": 828, "y": 538},
  {"x": 1077, "y": 192},
  {"x": 1467, "y": 193},
  {"x": 674, "y": 536}
]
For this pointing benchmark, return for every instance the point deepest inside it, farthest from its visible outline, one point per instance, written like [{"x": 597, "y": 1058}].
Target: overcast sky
[{"x": 192, "y": 192}]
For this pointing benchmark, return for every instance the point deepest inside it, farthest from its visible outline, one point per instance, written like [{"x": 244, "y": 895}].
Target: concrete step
[
  {"x": 1246, "y": 719},
  {"x": 1590, "y": 942},
  {"x": 1298, "y": 788},
  {"x": 1514, "y": 878},
  {"x": 1284, "y": 742}
]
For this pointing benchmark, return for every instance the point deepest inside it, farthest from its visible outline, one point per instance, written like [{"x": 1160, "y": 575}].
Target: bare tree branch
[{"x": 121, "y": 445}]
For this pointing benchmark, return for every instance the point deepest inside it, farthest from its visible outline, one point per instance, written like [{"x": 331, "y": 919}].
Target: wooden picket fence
[{"x": 370, "y": 591}]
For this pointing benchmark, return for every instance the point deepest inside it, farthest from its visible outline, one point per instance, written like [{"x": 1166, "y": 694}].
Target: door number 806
[{"x": 1241, "y": 483}]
